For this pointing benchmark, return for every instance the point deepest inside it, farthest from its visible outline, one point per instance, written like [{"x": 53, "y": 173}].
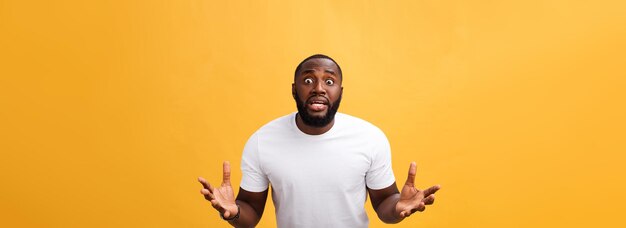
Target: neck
[{"x": 310, "y": 130}]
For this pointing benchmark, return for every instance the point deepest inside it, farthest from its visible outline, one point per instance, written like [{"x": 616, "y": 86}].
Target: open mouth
[{"x": 317, "y": 104}]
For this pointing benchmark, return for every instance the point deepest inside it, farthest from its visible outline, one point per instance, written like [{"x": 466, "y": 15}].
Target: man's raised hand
[
  {"x": 413, "y": 199},
  {"x": 222, "y": 197}
]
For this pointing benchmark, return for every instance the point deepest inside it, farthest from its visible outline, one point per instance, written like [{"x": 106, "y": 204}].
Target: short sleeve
[
  {"x": 380, "y": 174},
  {"x": 253, "y": 178}
]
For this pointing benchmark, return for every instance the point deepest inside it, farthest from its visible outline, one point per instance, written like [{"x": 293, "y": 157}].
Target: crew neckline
[{"x": 300, "y": 132}]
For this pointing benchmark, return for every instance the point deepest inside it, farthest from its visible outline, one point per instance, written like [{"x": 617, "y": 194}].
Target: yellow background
[{"x": 110, "y": 110}]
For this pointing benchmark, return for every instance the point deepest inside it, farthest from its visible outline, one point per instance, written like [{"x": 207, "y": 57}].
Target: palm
[
  {"x": 410, "y": 198},
  {"x": 222, "y": 198},
  {"x": 413, "y": 199}
]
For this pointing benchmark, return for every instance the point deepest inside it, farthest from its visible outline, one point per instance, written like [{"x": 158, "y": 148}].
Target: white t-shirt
[{"x": 318, "y": 180}]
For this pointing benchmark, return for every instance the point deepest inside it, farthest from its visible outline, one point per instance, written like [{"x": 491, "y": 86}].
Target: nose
[{"x": 319, "y": 88}]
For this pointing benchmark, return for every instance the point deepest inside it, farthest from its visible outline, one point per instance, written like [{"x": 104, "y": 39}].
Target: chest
[{"x": 316, "y": 166}]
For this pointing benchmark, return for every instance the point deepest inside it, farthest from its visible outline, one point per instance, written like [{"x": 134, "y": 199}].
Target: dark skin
[
  {"x": 251, "y": 204},
  {"x": 318, "y": 79}
]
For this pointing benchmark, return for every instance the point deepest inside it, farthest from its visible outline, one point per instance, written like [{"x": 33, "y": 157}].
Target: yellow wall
[{"x": 110, "y": 110}]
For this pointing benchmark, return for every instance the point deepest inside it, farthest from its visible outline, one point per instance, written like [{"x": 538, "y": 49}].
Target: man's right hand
[{"x": 222, "y": 198}]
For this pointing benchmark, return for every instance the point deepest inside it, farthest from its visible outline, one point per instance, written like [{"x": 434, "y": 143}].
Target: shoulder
[
  {"x": 276, "y": 128},
  {"x": 279, "y": 125},
  {"x": 353, "y": 123}
]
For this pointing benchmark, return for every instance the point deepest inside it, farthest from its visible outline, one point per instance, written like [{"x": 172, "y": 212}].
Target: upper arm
[
  {"x": 379, "y": 195},
  {"x": 256, "y": 200},
  {"x": 253, "y": 177},
  {"x": 380, "y": 174}
]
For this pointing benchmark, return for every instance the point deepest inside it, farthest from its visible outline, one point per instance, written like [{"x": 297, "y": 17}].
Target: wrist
[
  {"x": 397, "y": 212},
  {"x": 233, "y": 217}
]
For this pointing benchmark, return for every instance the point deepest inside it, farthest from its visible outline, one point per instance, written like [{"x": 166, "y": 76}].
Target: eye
[
  {"x": 330, "y": 82},
  {"x": 308, "y": 81}
]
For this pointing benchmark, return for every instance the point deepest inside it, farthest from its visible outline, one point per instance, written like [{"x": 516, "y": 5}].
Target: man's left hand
[{"x": 413, "y": 199}]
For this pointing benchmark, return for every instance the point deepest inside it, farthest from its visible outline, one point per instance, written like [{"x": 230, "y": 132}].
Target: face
[{"x": 317, "y": 91}]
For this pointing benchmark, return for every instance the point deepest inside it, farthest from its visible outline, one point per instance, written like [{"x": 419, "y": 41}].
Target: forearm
[
  {"x": 386, "y": 211},
  {"x": 248, "y": 217}
]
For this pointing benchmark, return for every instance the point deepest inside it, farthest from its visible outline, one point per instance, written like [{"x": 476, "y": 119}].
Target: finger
[
  {"x": 432, "y": 190},
  {"x": 409, "y": 213},
  {"x": 215, "y": 204},
  {"x": 203, "y": 182},
  {"x": 403, "y": 214},
  {"x": 410, "y": 180},
  {"x": 206, "y": 192},
  {"x": 226, "y": 177},
  {"x": 207, "y": 195},
  {"x": 429, "y": 200},
  {"x": 421, "y": 207}
]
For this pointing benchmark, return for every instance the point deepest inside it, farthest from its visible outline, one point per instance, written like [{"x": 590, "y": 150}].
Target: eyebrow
[
  {"x": 307, "y": 71},
  {"x": 325, "y": 71}
]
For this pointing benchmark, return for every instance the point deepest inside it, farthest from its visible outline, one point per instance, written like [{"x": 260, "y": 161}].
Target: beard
[{"x": 315, "y": 121}]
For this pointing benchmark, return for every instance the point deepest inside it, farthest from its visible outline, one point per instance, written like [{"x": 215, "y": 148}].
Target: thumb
[
  {"x": 410, "y": 180},
  {"x": 226, "y": 173}
]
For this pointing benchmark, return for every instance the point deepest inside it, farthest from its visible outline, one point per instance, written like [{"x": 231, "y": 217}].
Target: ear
[{"x": 293, "y": 90}]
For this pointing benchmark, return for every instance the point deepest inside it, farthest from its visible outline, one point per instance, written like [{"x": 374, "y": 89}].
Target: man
[{"x": 320, "y": 163}]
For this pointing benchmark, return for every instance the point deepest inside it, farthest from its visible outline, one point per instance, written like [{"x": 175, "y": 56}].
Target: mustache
[
  {"x": 314, "y": 121},
  {"x": 318, "y": 97}
]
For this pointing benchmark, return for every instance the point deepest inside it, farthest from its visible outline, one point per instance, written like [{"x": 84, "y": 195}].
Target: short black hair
[{"x": 316, "y": 56}]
